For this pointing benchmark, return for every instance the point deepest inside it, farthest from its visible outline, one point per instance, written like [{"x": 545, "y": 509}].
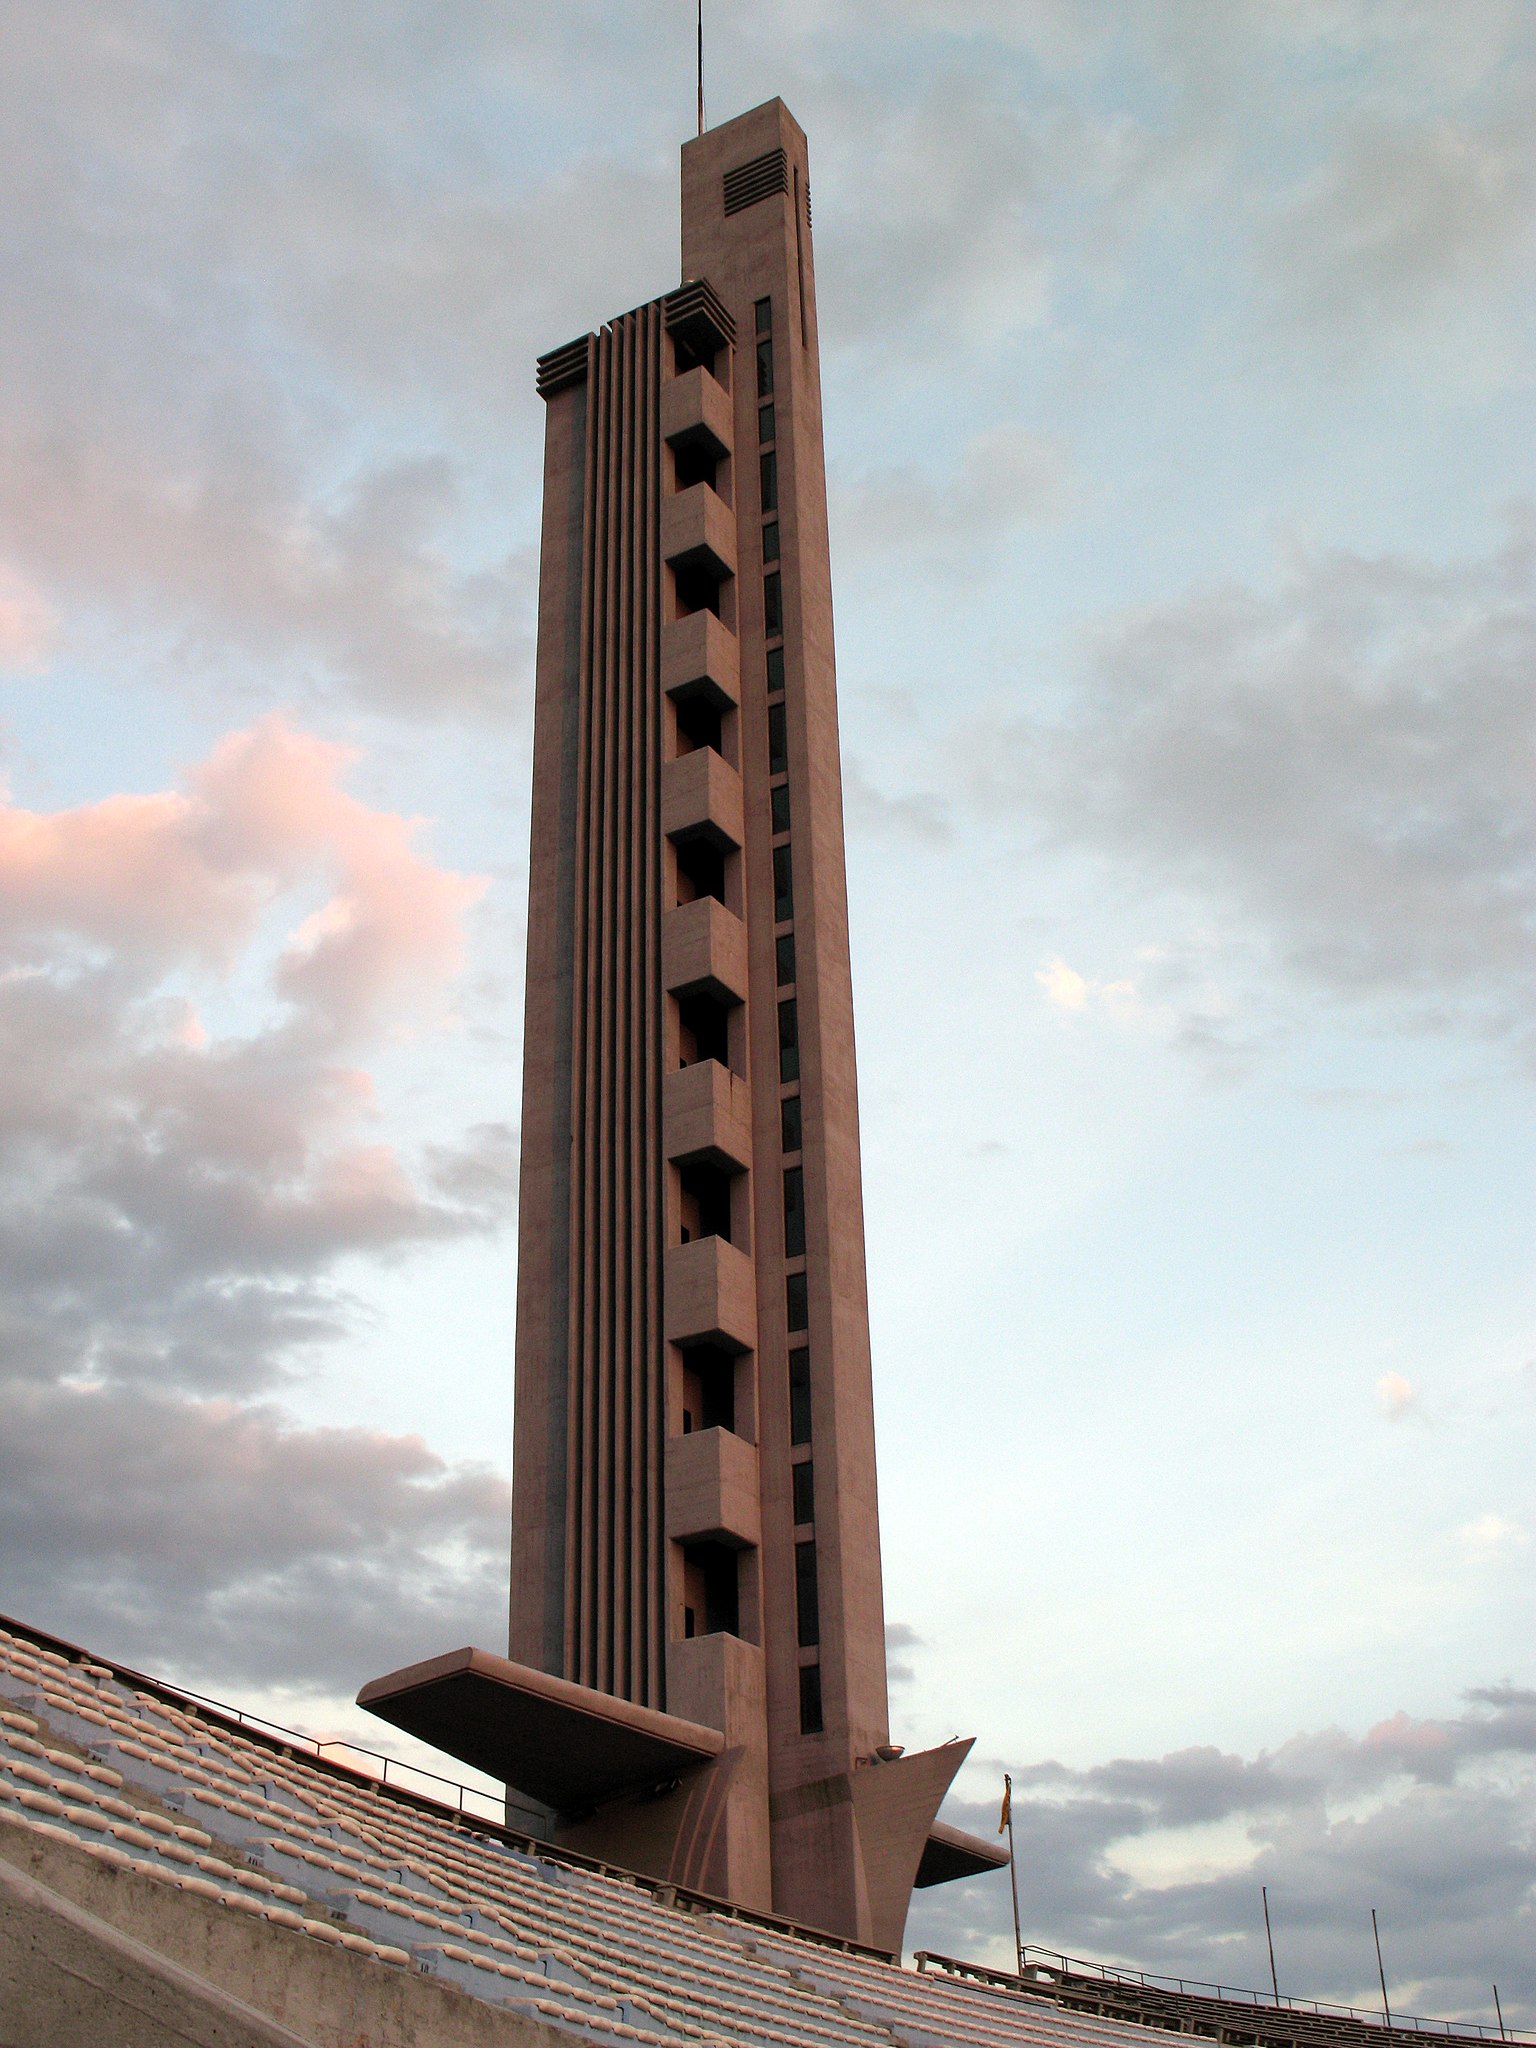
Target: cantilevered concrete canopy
[
  {"x": 556, "y": 1742},
  {"x": 951, "y": 1853}
]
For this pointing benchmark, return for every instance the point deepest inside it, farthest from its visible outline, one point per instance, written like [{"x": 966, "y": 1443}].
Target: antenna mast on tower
[{"x": 701, "y": 66}]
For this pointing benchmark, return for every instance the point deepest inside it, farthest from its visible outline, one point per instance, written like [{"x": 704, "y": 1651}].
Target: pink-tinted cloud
[
  {"x": 182, "y": 1176},
  {"x": 182, "y": 877}
]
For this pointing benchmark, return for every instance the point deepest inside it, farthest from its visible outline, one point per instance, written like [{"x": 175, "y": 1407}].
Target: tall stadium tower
[{"x": 696, "y": 1679}]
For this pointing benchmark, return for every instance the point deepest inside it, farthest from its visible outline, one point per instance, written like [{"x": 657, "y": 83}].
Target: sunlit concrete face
[{"x": 695, "y": 1525}]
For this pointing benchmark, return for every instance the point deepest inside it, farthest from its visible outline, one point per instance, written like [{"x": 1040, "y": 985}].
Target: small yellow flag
[{"x": 1007, "y": 1814}]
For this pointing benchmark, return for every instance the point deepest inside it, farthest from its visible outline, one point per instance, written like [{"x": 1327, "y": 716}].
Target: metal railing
[
  {"x": 495, "y": 1803},
  {"x": 1070, "y": 1971}
]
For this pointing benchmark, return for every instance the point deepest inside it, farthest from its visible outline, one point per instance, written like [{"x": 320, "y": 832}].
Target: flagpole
[
  {"x": 1269, "y": 1937},
  {"x": 1013, "y": 1873}
]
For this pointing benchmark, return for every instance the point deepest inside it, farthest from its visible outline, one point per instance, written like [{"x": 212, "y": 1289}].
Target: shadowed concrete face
[{"x": 695, "y": 1529}]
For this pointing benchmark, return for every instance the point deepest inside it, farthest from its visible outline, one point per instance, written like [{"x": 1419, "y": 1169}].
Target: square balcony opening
[
  {"x": 703, "y": 1030},
  {"x": 704, "y": 1200},
  {"x": 700, "y": 723},
  {"x": 698, "y": 347},
  {"x": 696, "y": 462},
  {"x": 711, "y": 1590},
  {"x": 709, "y": 1388},
  {"x": 696, "y": 589},
  {"x": 700, "y": 870}
]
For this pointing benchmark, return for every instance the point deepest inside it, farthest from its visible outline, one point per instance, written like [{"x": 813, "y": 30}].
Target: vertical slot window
[
  {"x": 765, "y": 369},
  {"x": 771, "y": 541},
  {"x": 794, "y": 1213},
  {"x": 807, "y": 1608},
  {"x": 810, "y": 1699},
  {"x": 765, "y": 423},
  {"x": 783, "y": 886},
  {"x": 762, "y": 315},
  {"x": 797, "y": 1305},
  {"x": 778, "y": 741},
  {"x": 785, "y": 950},
  {"x": 789, "y": 1123},
  {"x": 800, "y": 1396},
  {"x": 773, "y": 604},
  {"x": 778, "y": 805},
  {"x": 789, "y": 1041},
  {"x": 768, "y": 478},
  {"x": 802, "y": 1477},
  {"x": 775, "y": 670}
]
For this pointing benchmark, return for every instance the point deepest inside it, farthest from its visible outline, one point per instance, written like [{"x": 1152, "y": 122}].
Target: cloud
[
  {"x": 1403, "y": 223},
  {"x": 916, "y": 816},
  {"x": 960, "y": 228},
  {"x": 1066, "y": 989},
  {"x": 900, "y": 1636},
  {"x": 1006, "y": 477},
  {"x": 1157, "y": 1862},
  {"x": 1325, "y": 786},
  {"x": 191, "y": 984},
  {"x": 223, "y": 1540},
  {"x": 28, "y": 627},
  {"x": 1397, "y": 1397},
  {"x": 1491, "y": 1537}
]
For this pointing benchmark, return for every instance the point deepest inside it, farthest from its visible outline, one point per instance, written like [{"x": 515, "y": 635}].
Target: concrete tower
[{"x": 696, "y": 1683}]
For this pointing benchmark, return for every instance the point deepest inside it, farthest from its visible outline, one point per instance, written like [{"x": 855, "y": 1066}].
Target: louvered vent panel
[
  {"x": 760, "y": 179},
  {"x": 563, "y": 366},
  {"x": 696, "y": 314}
]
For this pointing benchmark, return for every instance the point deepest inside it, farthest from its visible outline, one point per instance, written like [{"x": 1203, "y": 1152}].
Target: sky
[{"x": 1179, "y": 406}]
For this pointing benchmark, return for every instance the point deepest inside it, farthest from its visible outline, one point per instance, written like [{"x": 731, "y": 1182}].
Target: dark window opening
[
  {"x": 810, "y": 1699},
  {"x": 705, "y": 1202},
  {"x": 796, "y": 1301},
  {"x": 785, "y": 949},
  {"x": 775, "y": 670},
  {"x": 765, "y": 369},
  {"x": 765, "y": 425},
  {"x": 693, "y": 355},
  {"x": 778, "y": 741},
  {"x": 697, "y": 591},
  {"x": 794, "y": 1213},
  {"x": 789, "y": 1123},
  {"x": 778, "y": 801},
  {"x": 709, "y": 1388},
  {"x": 771, "y": 545},
  {"x": 800, "y": 1393},
  {"x": 699, "y": 724},
  {"x": 703, "y": 1030},
  {"x": 700, "y": 870},
  {"x": 768, "y": 467},
  {"x": 807, "y": 1615},
  {"x": 710, "y": 1588},
  {"x": 805, "y": 1492},
  {"x": 773, "y": 604},
  {"x": 695, "y": 462},
  {"x": 783, "y": 885},
  {"x": 763, "y": 313},
  {"x": 690, "y": 1629},
  {"x": 789, "y": 1041}
]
